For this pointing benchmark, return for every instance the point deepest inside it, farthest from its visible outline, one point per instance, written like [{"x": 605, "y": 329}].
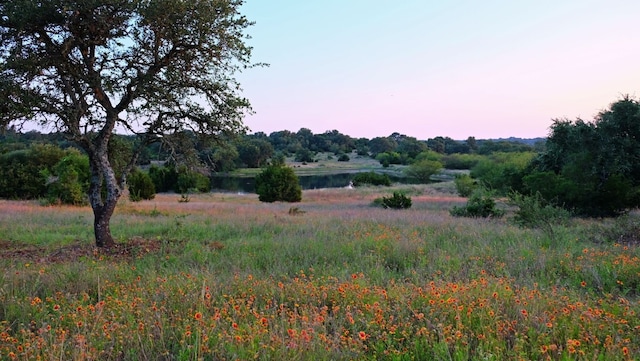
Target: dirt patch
[{"x": 133, "y": 248}]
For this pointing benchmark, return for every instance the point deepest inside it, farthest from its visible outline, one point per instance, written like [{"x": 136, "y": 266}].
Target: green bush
[
  {"x": 479, "y": 205},
  {"x": 69, "y": 179},
  {"x": 278, "y": 183},
  {"x": 164, "y": 178},
  {"x": 465, "y": 185},
  {"x": 371, "y": 178},
  {"x": 397, "y": 201},
  {"x": 535, "y": 212},
  {"x": 190, "y": 181},
  {"x": 461, "y": 161},
  {"x": 343, "y": 158},
  {"x": 422, "y": 170},
  {"x": 140, "y": 186},
  {"x": 24, "y": 173}
]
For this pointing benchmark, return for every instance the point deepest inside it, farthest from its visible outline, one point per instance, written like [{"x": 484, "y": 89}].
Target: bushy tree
[
  {"x": 371, "y": 178},
  {"x": 68, "y": 182},
  {"x": 278, "y": 182},
  {"x": 397, "y": 201},
  {"x": 422, "y": 170},
  {"x": 592, "y": 168},
  {"x": 465, "y": 185},
  {"x": 479, "y": 205},
  {"x": 141, "y": 186},
  {"x": 157, "y": 68},
  {"x": 24, "y": 173}
]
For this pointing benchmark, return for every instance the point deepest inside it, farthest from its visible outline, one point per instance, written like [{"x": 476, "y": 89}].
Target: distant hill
[{"x": 528, "y": 141}]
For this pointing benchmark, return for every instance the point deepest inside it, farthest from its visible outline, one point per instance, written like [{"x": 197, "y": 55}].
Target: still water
[{"x": 247, "y": 184}]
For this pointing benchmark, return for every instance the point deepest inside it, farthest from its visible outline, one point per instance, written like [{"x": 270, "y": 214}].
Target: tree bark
[{"x": 103, "y": 176}]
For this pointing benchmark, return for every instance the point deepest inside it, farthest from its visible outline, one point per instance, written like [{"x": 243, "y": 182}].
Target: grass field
[{"x": 225, "y": 277}]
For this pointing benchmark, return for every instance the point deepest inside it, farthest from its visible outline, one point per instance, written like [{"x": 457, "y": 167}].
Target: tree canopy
[{"x": 156, "y": 68}]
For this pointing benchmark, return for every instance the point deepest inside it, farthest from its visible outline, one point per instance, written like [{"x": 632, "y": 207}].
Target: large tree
[{"x": 157, "y": 68}]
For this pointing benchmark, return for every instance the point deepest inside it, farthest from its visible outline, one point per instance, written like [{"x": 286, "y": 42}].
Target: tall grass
[{"x": 228, "y": 277}]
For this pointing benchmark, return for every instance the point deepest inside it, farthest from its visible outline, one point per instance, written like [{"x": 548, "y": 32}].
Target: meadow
[{"x": 225, "y": 277}]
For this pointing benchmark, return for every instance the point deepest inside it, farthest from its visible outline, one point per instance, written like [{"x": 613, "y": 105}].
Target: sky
[{"x": 426, "y": 68}]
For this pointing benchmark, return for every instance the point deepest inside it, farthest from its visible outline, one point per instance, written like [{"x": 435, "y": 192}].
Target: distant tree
[
  {"x": 379, "y": 145},
  {"x": 423, "y": 170},
  {"x": 591, "y": 168},
  {"x": 255, "y": 152},
  {"x": 141, "y": 186},
  {"x": 87, "y": 67},
  {"x": 278, "y": 182}
]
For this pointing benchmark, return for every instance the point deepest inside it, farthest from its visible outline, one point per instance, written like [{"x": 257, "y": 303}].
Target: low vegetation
[{"x": 226, "y": 276}]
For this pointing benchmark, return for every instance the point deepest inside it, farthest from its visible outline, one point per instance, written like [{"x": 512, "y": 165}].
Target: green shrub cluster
[
  {"x": 371, "y": 178},
  {"x": 141, "y": 186},
  {"x": 479, "y": 205},
  {"x": 535, "y": 212},
  {"x": 465, "y": 185},
  {"x": 397, "y": 201},
  {"x": 278, "y": 182}
]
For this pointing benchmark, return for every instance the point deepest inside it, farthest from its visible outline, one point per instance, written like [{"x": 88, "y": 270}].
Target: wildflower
[
  {"x": 198, "y": 316},
  {"x": 625, "y": 351},
  {"x": 234, "y": 325},
  {"x": 362, "y": 335},
  {"x": 524, "y": 312},
  {"x": 583, "y": 284}
]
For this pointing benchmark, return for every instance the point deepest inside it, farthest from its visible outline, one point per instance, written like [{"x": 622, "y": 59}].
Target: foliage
[
  {"x": 255, "y": 152},
  {"x": 304, "y": 155},
  {"x": 422, "y": 170},
  {"x": 88, "y": 67},
  {"x": 141, "y": 186},
  {"x": 480, "y": 204},
  {"x": 465, "y": 185},
  {"x": 278, "y": 183},
  {"x": 164, "y": 178},
  {"x": 69, "y": 179},
  {"x": 535, "y": 212},
  {"x": 397, "y": 201},
  {"x": 23, "y": 173},
  {"x": 192, "y": 181},
  {"x": 592, "y": 169},
  {"x": 371, "y": 178},
  {"x": 343, "y": 158},
  {"x": 461, "y": 161},
  {"x": 388, "y": 158},
  {"x": 503, "y": 172}
]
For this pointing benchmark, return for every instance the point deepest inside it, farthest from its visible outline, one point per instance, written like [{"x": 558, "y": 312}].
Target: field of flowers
[{"x": 225, "y": 277}]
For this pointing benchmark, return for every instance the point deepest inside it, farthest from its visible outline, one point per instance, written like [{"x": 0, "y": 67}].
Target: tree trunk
[{"x": 102, "y": 175}]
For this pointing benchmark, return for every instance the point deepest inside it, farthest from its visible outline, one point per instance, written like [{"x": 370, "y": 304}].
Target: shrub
[
  {"x": 140, "y": 186},
  {"x": 343, "y": 158},
  {"x": 465, "y": 185},
  {"x": 479, "y": 205},
  {"x": 190, "y": 181},
  {"x": 371, "y": 178},
  {"x": 422, "y": 170},
  {"x": 535, "y": 212},
  {"x": 69, "y": 179},
  {"x": 397, "y": 201},
  {"x": 278, "y": 183},
  {"x": 164, "y": 178}
]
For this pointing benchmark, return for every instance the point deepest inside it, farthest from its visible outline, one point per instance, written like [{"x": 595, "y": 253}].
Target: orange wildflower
[
  {"x": 362, "y": 335},
  {"x": 198, "y": 316}
]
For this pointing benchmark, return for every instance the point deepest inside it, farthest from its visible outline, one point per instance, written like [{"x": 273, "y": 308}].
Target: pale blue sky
[{"x": 427, "y": 68}]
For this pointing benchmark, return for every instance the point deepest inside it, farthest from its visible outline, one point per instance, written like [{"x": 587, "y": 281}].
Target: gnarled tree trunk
[{"x": 103, "y": 207}]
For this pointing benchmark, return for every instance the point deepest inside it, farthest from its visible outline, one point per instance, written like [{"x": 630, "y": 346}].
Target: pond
[{"x": 247, "y": 184}]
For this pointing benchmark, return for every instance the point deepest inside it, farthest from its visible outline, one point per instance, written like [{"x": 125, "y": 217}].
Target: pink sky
[{"x": 423, "y": 68}]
